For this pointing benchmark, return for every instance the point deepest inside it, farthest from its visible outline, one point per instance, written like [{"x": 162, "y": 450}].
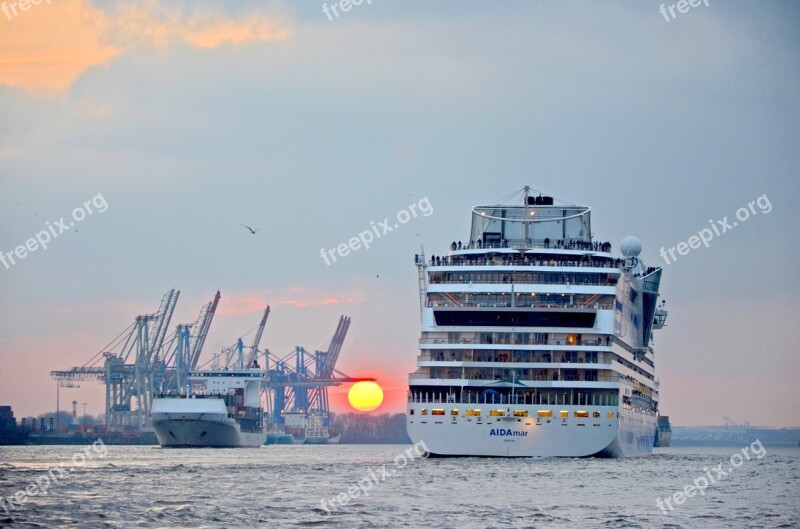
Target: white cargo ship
[
  {"x": 219, "y": 409},
  {"x": 536, "y": 339}
]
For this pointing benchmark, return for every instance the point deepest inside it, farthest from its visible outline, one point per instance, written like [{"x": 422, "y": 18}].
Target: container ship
[
  {"x": 536, "y": 339},
  {"x": 218, "y": 408}
]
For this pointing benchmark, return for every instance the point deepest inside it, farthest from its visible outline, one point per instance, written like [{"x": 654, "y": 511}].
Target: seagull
[{"x": 252, "y": 231}]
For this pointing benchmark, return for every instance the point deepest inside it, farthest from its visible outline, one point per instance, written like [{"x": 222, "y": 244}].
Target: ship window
[
  {"x": 544, "y": 413},
  {"x": 411, "y": 411},
  {"x": 437, "y": 411},
  {"x": 596, "y": 415},
  {"x": 453, "y": 412},
  {"x": 423, "y": 411},
  {"x": 520, "y": 413},
  {"x": 564, "y": 414},
  {"x": 473, "y": 413},
  {"x": 581, "y": 413},
  {"x": 497, "y": 413}
]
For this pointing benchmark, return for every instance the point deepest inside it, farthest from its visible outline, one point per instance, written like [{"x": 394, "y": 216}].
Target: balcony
[
  {"x": 517, "y": 261},
  {"x": 498, "y": 375},
  {"x": 520, "y": 305},
  {"x": 539, "y": 340}
]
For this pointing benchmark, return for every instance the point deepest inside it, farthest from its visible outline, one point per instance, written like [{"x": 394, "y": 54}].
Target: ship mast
[{"x": 525, "y": 195}]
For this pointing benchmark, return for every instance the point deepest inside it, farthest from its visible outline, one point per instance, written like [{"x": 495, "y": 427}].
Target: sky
[{"x": 176, "y": 122}]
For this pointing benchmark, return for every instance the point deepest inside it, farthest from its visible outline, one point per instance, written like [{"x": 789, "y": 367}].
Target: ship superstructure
[{"x": 536, "y": 339}]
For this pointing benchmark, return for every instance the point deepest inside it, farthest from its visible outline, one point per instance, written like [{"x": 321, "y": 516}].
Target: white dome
[{"x": 631, "y": 246}]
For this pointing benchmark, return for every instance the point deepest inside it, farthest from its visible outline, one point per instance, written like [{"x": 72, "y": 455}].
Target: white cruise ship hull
[
  {"x": 199, "y": 423},
  {"x": 629, "y": 435}
]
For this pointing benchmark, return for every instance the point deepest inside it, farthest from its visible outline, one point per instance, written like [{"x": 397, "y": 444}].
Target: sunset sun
[{"x": 365, "y": 396}]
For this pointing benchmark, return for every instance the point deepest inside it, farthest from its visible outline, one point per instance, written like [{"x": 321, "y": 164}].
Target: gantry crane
[
  {"x": 299, "y": 381},
  {"x": 140, "y": 362}
]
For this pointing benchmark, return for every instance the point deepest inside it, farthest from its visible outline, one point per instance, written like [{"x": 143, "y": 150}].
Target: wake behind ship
[{"x": 536, "y": 340}]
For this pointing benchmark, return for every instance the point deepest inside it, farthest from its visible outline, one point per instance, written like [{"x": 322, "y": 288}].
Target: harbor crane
[
  {"x": 299, "y": 381},
  {"x": 136, "y": 365}
]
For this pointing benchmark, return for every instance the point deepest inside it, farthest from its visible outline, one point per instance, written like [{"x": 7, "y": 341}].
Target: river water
[{"x": 390, "y": 486}]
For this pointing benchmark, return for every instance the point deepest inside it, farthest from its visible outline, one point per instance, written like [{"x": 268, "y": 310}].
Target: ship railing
[
  {"x": 449, "y": 304},
  {"x": 522, "y": 379},
  {"x": 493, "y": 261},
  {"x": 509, "y": 359},
  {"x": 538, "y": 399},
  {"x": 483, "y": 341},
  {"x": 574, "y": 244},
  {"x": 441, "y": 281}
]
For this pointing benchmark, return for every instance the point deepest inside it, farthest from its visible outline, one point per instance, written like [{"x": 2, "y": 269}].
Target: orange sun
[{"x": 365, "y": 396}]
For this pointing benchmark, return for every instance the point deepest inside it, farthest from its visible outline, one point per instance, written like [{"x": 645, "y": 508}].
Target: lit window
[
  {"x": 581, "y": 413},
  {"x": 497, "y": 413},
  {"x": 520, "y": 413},
  {"x": 544, "y": 413},
  {"x": 437, "y": 411},
  {"x": 423, "y": 411},
  {"x": 453, "y": 412},
  {"x": 564, "y": 414}
]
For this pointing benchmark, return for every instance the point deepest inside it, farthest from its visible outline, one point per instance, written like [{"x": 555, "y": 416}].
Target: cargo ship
[{"x": 218, "y": 408}]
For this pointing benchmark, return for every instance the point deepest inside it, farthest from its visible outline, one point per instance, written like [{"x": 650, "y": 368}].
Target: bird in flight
[{"x": 252, "y": 231}]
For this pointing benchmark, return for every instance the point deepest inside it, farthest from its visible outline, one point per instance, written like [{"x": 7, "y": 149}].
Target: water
[{"x": 281, "y": 486}]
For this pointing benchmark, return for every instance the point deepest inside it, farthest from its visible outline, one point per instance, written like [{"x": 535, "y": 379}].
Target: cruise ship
[
  {"x": 536, "y": 339},
  {"x": 218, "y": 409}
]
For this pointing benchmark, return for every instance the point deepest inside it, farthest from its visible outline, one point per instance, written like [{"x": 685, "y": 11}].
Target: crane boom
[
  {"x": 206, "y": 315},
  {"x": 336, "y": 346},
  {"x": 159, "y": 330},
  {"x": 257, "y": 339}
]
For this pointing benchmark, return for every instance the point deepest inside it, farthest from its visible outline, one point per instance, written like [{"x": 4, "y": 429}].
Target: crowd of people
[
  {"x": 522, "y": 260},
  {"x": 565, "y": 244}
]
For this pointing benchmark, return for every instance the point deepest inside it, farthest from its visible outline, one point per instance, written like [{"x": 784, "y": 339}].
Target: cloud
[
  {"x": 46, "y": 48},
  {"x": 10, "y": 153},
  {"x": 299, "y": 297}
]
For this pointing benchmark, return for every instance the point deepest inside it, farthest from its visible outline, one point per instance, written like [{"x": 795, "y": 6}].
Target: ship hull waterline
[
  {"x": 203, "y": 432},
  {"x": 630, "y": 435}
]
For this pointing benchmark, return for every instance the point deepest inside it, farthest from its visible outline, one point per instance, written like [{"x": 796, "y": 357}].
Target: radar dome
[{"x": 631, "y": 246}]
